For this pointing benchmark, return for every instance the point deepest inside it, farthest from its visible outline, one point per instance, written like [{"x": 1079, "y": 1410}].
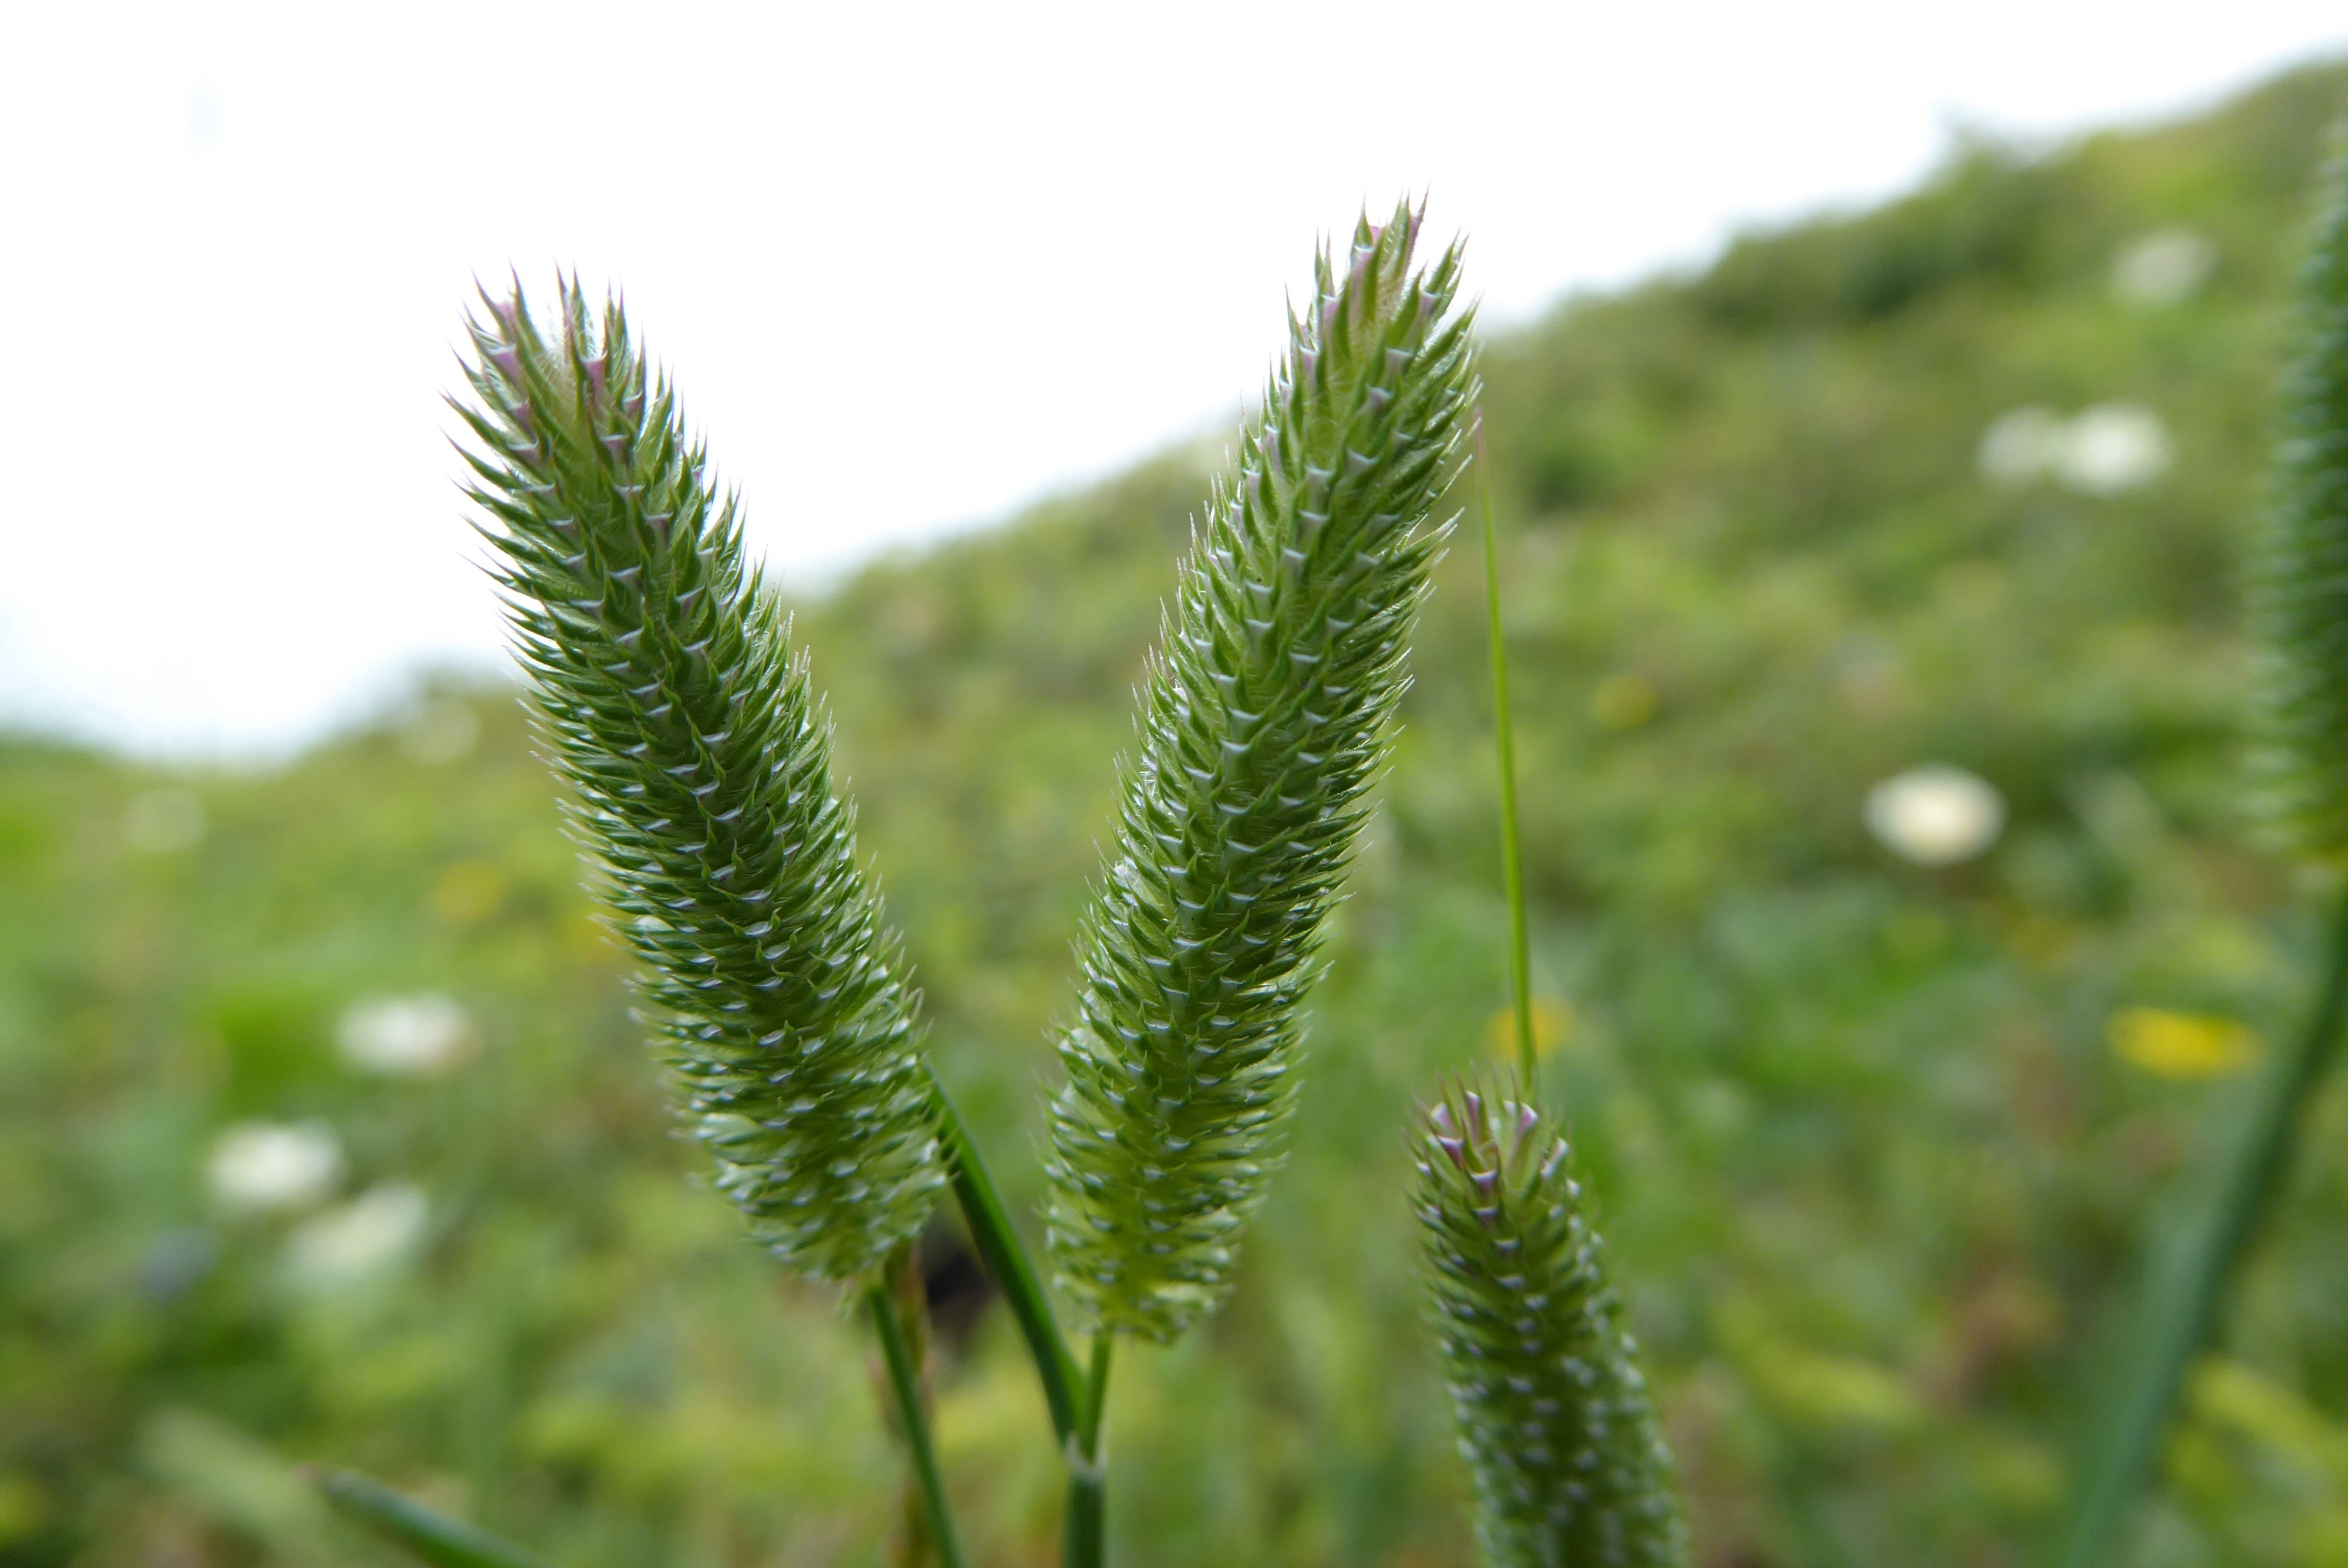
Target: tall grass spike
[
  {"x": 2300, "y": 577},
  {"x": 1263, "y": 717},
  {"x": 701, "y": 763}
]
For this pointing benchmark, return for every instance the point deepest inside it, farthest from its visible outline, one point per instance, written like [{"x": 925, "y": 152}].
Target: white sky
[{"x": 911, "y": 265}]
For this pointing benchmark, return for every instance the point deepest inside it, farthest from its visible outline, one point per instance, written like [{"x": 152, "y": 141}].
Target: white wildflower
[
  {"x": 439, "y": 732},
  {"x": 258, "y": 1167},
  {"x": 2107, "y": 450},
  {"x": 2164, "y": 267},
  {"x": 1935, "y": 814},
  {"x": 2113, "y": 448},
  {"x": 162, "y": 821},
  {"x": 354, "y": 1240},
  {"x": 2021, "y": 444},
  {"x": 403, "y": 1036}
]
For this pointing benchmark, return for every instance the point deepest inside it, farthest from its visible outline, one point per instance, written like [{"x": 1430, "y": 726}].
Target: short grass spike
[
  {"x": 1554, "y": 1421},
  {"x": 701, "y": 760},
  {"x": 1262, "y": 718},
  {"x": 2299, "y": 578}
]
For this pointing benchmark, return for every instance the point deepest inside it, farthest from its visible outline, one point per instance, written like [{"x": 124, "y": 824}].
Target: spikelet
[
  {"x": 701, "y": 762},
  {"x": 2298, "y": 579},
  {"x": 1262, "y": 721},
  {"x": 1554, "y": 1419}
]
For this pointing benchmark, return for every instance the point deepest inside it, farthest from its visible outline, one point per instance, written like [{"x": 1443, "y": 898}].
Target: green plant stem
[
  {"x": 2182, "y": 1303},
  {"x": 439, "y": 1541},
  {"x": 905, "y": 1383},
  {"x": 1000, "y": 1249},
  {"x": 1513, "y": 861},
  {"x": 1088, "y": 1472}
]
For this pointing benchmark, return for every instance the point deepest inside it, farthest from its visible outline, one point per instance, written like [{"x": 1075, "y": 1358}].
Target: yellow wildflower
[
  {"x": 2181, "y": 1044},
  {"x": 1552, "y": 1027}
]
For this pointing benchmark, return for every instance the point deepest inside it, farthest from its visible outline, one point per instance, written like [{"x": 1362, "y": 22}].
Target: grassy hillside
[{"x": 1873, "y": 1168}]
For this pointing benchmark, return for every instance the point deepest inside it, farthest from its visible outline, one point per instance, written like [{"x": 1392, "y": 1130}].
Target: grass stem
[
  {"x": 1088, "y": 1470},
  {"x": 1006, "y": 1258},
  {"x": 1512, "y": 860},
  {"x": 905, "y": 1383}
]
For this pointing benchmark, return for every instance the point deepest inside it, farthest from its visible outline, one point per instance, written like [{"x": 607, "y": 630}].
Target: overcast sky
[{"x": 910, "y": 265}]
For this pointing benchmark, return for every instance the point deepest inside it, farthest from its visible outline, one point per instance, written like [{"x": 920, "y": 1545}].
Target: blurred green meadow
[{"x": 326, "y": 1133}]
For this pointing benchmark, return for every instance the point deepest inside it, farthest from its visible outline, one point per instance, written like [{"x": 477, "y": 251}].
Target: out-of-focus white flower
[
  {"x": 2113, "y": 448},
  {"x": 352, "y": 1240},
  {"x": 1935, "y": 814},
  {"x": 2164, "y": 267},
  {"x": 2107, "y": 450},
  {"x": 161, "y": 821},
  {"x": 257, "y": 1167},
  {"x": 2021, "y": 444},
  {"x": 404, "y": 1035},
  {"x": 441, "y": 731}
]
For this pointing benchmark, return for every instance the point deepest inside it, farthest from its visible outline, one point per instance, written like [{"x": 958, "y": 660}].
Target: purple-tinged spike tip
[
  {"x": 1441, "y": 1117},
  {"x": 1527, "y": 1120}
]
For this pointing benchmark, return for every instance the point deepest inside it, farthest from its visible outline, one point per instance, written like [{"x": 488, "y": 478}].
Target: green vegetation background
[{"x": 1873, "y": 1175}]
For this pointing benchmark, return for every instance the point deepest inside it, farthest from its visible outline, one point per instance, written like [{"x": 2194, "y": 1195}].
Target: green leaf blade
[{"x": 433, "y": 1538}]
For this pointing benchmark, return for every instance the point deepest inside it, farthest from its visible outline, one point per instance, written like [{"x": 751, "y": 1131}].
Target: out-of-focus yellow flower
[
  {"x": 1552, "y": 1027},
  {"x": 1829, "y": 1391},
  {"x": 2247, "y": 1402},
  {"x": 1624, "y": 702},
  {"x": 467, "y": 892},
  {"x": 2181, "y": 1044},
  {"x": 586, "y": 937},
  {"x": 23, "y": 1506}
]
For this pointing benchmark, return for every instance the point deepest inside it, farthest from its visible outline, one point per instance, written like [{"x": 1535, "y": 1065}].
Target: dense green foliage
[
  {"x": 702, "y": 770},
  {"x": 1554, "y": 1419},
  {"x": 1870, "y": 1170},
  {"x": 2300, "y": 602},
  {"x": 1262, "y": 713}
]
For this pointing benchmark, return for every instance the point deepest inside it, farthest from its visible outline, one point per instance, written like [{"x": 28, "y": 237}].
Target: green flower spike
[
  {"x": 2300, "y": 577},
  {"x": 701, "y": 760},
  {"x": 1262, "y": 721},
  {"x": 1554, "y": 1421}
]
